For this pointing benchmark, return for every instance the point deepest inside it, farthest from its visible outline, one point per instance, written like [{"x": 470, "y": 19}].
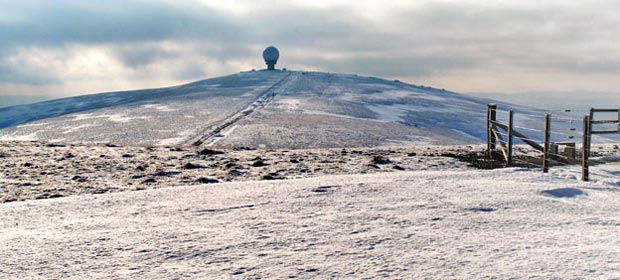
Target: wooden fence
[
  {"x": 550, "y": 150},
  {"x": 590, "y": 123}
]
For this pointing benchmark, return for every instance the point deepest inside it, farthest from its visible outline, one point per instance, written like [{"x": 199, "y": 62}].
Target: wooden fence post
[
  {"x": 590, "y": 118},
  {"x": 585, "y": 171},
  {"x": 493, "y": 119},
  {"x": 490, "y": 136},
  {"x": 488, "y": 130},
  {"x": 510, "y": 121},
  {"x": 545, "y": 162}
]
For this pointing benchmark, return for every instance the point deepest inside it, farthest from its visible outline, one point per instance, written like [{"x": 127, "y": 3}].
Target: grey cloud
[
  {"x": 488, "y": 24},
  {"x": 536, "y": 57},
  {"x": 560, "y": 37},
  {"x": 63, "y": 22},
  {"x": 293, "y": 29},
  {"x": 137, "y": 56},
  {"x": 190, "y": 72},
  {"x": 26, "y": 74},
  {"x": 133, "y": 24},
  {"x": 226, "y": 52},
  {"x": 419, "y": 41},
  {"x": 392, "y": 66}
]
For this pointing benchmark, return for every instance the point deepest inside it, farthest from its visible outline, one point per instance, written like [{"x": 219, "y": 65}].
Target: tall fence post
[
  {"x": 585, "y": 170},
  {"x": 489, "y": 131},
  {"x": 493, "y": 120},
  {"x": 510, "y": 121},
  {"x": 491, "y": 113},
  {"x": 590, "y": 118},
  {"x": 545, "y": 162}
]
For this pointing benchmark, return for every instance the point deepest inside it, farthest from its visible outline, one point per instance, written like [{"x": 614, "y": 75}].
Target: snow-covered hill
[{"x": 261, "y": 108}]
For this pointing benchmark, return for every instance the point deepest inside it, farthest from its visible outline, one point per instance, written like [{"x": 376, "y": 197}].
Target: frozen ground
[
  {"x": 447, "y": 224},
  {"x": 35, "y": 170},
  {"x": 273, "y": 109}
]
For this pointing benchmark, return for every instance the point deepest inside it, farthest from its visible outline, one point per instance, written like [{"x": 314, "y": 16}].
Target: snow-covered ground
[
  {"x": 276, "y": 109},
  {"x": 450, "y": 224}
]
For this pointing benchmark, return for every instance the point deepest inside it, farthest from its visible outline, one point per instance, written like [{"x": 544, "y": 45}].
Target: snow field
[{"x": 509, "y": 223}]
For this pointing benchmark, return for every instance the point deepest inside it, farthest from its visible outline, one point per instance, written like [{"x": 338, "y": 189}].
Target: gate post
[
  {"x": 510, "y": 121},
  {"x": 491, "y": 116},
  {"x": 545, "y": 163},
  {"x": 585, "y": 171},
  {"x": 590, "y": 118}
]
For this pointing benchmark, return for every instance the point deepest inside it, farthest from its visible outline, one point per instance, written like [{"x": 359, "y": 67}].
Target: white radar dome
[{"x": 271, "y": 55}]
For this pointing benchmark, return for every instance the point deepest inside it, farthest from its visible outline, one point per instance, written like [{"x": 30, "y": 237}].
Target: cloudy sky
[{"x": 67, "y": 48}]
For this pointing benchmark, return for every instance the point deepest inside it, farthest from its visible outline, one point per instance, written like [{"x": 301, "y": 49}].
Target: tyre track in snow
[{"x": 210, "y": 135}]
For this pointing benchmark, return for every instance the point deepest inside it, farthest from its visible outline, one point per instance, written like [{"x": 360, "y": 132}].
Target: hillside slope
[
  {"x": 153, "y": 116},
  {"x": 285, "y": 109}
]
